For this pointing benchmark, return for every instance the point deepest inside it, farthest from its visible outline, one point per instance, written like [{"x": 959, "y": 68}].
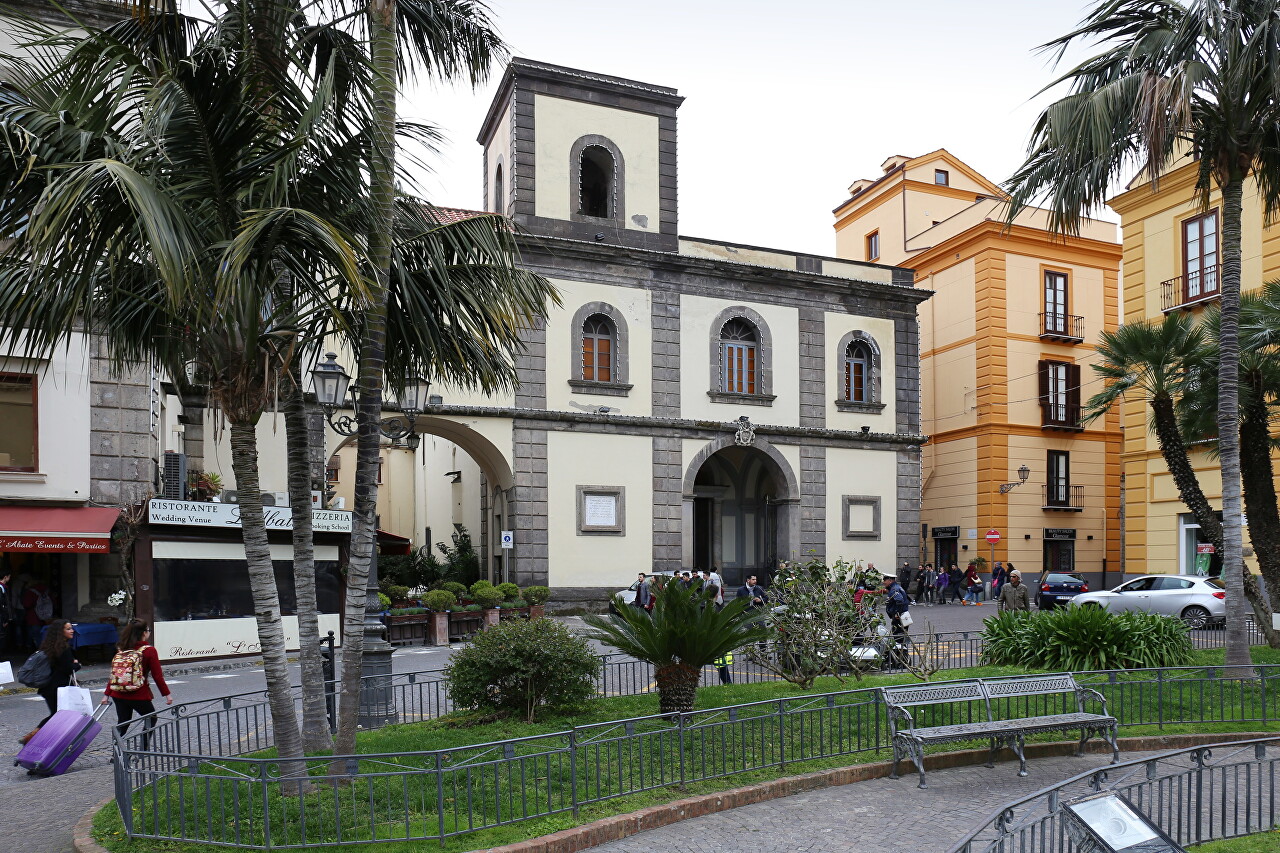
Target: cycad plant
[{"x": 684, "y": 633}]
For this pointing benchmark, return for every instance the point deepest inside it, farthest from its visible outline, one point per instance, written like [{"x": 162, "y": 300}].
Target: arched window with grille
[
  {"x": 599, "y": 339},
  {"x": 858, "y": 363},
  {"x": 739, "y": 357},
  {"x": 858, "y": 377}
]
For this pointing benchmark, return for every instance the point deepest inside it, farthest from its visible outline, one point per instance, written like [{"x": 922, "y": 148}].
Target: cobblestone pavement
[{"x": 878, "y": 816}]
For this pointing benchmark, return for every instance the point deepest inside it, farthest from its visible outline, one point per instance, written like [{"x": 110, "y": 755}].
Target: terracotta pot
[
  {"x": 439, "y": 634},
  {"x": 491, "y": 616},
  {"x": 537, "y": 611}
]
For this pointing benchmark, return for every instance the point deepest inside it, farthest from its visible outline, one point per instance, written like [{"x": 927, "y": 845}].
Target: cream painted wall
[
  {"x": 950, "y": 470},
  {"x": 1026, "y": 513},
  {"x": 862, "y": 472},
  {"x": 858, "y": 272},
  {"x": 948, "y": 316},
  {"x": 273, "y": 470},
  {"x": 584, "y": 459},
  {"x": 696, "y": 316},
  {"x": 948, "y": 381},
  {"x": 499, "y": 151},
  {"x": 836, "y": 326},
  {"x": 564, "y": 361},
  {"x": 922, "y": 171},
  {"x": 63, "y": 422},
  {"x": 1024, "y": 276},
  {"x": 558, "y": 123},
  {"x": 886, "y": 217}
]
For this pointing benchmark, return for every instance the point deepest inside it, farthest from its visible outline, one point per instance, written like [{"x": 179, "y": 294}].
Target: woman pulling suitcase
[{"x": 57, "y": 650}]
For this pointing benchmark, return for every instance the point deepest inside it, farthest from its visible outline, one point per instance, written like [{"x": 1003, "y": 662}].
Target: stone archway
[{"x": 741, "y": 509}]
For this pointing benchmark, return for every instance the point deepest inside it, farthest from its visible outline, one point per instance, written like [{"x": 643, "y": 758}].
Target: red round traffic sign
[{"x": 993, "y": 536}]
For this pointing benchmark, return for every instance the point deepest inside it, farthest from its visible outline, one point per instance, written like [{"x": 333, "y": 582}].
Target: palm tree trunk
[
  {"x": 266, "y": 603},
  {"x": 383, "y": 50},
  {"x": 1237, "y": 658},
  {"x": 677, "y": 688},
  {"x": 315, "y": 724}
]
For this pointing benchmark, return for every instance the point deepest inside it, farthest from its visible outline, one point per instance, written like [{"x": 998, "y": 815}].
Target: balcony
[
  {"x": 1068, "y": 328},
  {"x": 1187, "y": 291},
  {"x": 1060, "y": 416},
  {"x": 1059, "y": 497}
]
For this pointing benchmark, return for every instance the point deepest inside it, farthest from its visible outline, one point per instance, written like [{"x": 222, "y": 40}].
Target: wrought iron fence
[
  {"x": 1195, "y": 795},
  {"x": 175, "y": 782}
]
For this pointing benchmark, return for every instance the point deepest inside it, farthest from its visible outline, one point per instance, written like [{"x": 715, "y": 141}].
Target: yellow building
[
  {"x": 1171, "y": 263},
  {"x": 1005, "y": 346}
]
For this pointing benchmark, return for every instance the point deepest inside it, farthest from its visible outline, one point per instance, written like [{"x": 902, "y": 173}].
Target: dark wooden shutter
[
  {"x": 1073, "y": 394},
  {"x": 1044, "y": 391}
]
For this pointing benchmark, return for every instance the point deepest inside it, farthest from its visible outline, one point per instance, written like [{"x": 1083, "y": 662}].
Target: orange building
[{"x": 1005, "y": 346}]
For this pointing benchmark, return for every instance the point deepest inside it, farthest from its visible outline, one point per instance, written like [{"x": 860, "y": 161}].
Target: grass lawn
[
  {"x": 1263, "y": 842},
  {"x": 624, "y": 768}
]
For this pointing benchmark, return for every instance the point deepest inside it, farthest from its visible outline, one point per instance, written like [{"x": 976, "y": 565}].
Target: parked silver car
[{"x": 1197, "y": 601}]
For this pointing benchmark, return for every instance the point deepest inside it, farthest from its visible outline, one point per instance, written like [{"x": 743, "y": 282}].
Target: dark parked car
[{"x": 1058, "y": 588}]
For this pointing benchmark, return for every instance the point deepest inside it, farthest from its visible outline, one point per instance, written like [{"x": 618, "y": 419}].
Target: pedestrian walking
[
  {"x": 904, "y": 576},
  {"x": 1013, "y": 595},
  {"x": 954, "y": 577},
  {"x": 973, "y": 586},
  {"x": 896, "y": 606},
  {"x": 718, "y": 582},
  {"x": 135, "y": 661},
  {"x": 56, "y": 647},
  {"x": 930, "y": 585},
  {"x": 998, "y": 577},
  {"x": 644, "y": 595},
  {"x": 722, "y": 665},
  {"x": 709, "y": 587}
]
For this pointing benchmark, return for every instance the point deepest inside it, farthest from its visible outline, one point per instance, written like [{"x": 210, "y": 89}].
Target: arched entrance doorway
[{"x": 740, "y": 511}]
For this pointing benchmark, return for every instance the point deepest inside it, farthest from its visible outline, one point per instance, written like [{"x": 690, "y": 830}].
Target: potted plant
[
  {"x": 512, "y": 605},
  {"x": 537, "y": 597},
  {"x": 203, "y": 485},
  {"x": 439, "y": 602},
  {"x": 488, "y": 597},
  {"x": 407, "y": 624},
  {"x": 465, "y": 620}
]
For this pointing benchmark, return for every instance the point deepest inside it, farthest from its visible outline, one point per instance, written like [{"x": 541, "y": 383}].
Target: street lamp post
[{"x": 330, "y": 382}]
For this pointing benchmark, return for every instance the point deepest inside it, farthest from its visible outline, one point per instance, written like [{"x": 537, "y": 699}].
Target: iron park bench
[{"x": 971, "y": 702}]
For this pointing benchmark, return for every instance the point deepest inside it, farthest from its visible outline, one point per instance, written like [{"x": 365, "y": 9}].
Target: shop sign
[
  {"x": 214, "y": 638},
  {"x": 220, "y": 515},
  {"x": 946, "y": 532},
  {"x": 55, "y": 545},
  {"x": 1059, "y": 533}
]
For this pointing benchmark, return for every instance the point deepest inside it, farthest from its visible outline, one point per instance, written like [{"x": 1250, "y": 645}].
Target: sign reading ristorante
[{"x": 200, "y": 514}]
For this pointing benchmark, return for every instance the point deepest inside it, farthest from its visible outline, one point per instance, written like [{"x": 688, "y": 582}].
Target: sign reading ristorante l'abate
[{"x": 200, "y": 514}]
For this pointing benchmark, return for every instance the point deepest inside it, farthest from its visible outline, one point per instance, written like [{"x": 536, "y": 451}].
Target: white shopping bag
[
  {"x": 6, "y": 672},
  {"x": 75, "y": 698}
]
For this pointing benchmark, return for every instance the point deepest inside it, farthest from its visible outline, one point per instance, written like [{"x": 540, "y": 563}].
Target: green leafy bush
[
  {"x": 397, "y": 593},
  {"x": 509, "y": 591},
  {"x": 536, "y": 595},
  {"x": 458, "y": 590},
  {"x": 486, "y": 596},
  {"x": 519, "y": 666},
  {"x": 408, "y": 611},
  {"x": 471, "y": 608},
  {"x": 480, "y": 584},
  {"x": 1086, "y": 638},
  {"x": 439, "y": 600},
  {"x": 384, "y": 601}
]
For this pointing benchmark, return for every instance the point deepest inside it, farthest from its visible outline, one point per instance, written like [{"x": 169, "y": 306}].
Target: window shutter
[
  {"x": 1073, "y": 393},
  {"x": 1043, "y": 368}
]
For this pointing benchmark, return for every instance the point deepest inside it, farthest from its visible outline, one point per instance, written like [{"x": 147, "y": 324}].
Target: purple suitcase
[{"x": 59, "y": 742}]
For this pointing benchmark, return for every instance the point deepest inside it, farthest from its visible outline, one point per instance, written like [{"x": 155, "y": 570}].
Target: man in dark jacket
[
  {"x": 752, "y": 590},
  {"x": 896, "y": 603},
  {"x": 644, "y": 595}
]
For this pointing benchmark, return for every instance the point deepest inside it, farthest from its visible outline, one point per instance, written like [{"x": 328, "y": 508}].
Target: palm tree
[
  {"x": 1169, "y": 78},
  {"x": 199, "y": 230},
  {"x": 684, "y": 633}
]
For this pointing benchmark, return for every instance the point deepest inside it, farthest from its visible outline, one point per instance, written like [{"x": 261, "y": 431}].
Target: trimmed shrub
[
  {"x": 384, "y": 601},
  {"x": 1086, "y": 638},
  {"x": 486, "y": 596},
  {"x": 472, "y": 608},
  {"x": 458, "y": 590},
  {"x": 439, "y": 600},
  {"x": 536, "y": 595},
  {"x": 481, "y": 584},
  {"x": 509, "y": 591},
  {"x": 397, "y": 593},
  {"x": 520, "y": 666}
]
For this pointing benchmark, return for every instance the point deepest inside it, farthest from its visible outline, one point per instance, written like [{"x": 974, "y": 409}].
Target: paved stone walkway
[{"x": 878, "y": 816}]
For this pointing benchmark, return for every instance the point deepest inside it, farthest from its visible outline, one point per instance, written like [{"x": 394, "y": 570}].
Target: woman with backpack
[
  {"x": 128, "y": 688},
  {"x": 56, "y": 648}
]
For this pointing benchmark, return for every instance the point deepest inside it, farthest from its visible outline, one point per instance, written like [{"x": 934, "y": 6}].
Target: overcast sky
[{"x": 786, "y": 104}]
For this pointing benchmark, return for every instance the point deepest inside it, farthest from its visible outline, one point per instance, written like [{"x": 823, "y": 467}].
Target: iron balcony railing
[
  {"x": 188, "y": 776},
  {"x": 1195, "y": 795},
  {"x": 1060, "y": 415},
  {"x": 1184, "y": 291},
  {"x": 1060, "y": 496},
  {"x": 1061, "y": 327}
]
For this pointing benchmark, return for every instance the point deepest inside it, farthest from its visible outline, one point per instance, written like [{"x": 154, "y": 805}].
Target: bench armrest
[
  {"x": 897, "y": 714},
  {"x": 1085, "y": 693}
]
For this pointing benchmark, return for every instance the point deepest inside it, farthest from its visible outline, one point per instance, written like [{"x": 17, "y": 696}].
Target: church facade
[{"x": 690, "y": 403}]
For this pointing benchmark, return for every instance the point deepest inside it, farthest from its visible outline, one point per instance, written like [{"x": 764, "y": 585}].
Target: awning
[
  {"x": 57, "y": 530},
  {"x": 390, "y": 543}
]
